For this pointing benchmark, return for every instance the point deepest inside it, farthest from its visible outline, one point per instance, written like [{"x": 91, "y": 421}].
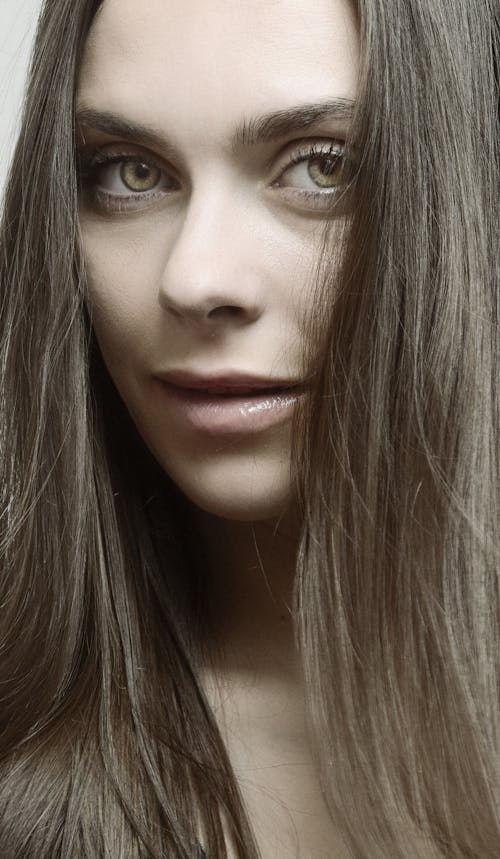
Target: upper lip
[{"x": 230, "y": 380}]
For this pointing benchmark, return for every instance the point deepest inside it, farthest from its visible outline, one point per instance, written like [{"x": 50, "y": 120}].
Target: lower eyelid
[
  {"x": 318, "y": 197},
  {"x": 110, "y": 202},
  {"x": 322, "y": 203},
  {"x": 312, "y": 200}
]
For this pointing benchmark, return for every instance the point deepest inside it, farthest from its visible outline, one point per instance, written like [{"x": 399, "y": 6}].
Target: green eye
[
  {"x": 138, "y": 176},
  {"x": 325, "y": 170},
  {"x": 317, "y": 169}
]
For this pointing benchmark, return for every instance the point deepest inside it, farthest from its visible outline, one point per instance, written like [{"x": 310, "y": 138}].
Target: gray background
[{"x": 17, "y": 26}]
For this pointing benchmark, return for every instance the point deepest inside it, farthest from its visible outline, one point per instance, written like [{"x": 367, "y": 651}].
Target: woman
[{"x": 249, "y": 429}]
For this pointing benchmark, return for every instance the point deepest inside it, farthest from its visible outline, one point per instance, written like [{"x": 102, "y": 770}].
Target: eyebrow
[
  {"x": 272, "y": 126},
  {"x": 260, "y": 129}
]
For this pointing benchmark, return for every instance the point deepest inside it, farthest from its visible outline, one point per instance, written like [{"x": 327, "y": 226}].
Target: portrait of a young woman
[{"x": 249, "y": 423}]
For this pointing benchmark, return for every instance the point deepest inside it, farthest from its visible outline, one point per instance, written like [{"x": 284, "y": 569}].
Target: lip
[
  {"x": 233, "y": 379},
  {"x": 228, "y": 403}
]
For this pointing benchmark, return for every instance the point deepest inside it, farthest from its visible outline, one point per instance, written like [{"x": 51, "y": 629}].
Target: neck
[{"x": 251, "y": 568}]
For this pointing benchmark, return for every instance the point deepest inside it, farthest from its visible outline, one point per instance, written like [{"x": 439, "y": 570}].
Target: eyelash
[
  {"x": 90, "y": 164},
  {"x": 315, "y": 150}
]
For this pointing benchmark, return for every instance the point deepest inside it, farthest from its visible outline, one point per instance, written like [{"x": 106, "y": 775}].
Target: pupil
[
  {"x": 142, "y": 171},
  {"x": 328, "y": 165}
]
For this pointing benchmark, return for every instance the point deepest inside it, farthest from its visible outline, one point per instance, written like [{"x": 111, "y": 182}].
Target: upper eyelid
[
  {"x": 92, "y": 138},
  {"x": 90, "y": 155},
  {"x": 107, "y": 153},
  {"x": 315, "y": 147}
]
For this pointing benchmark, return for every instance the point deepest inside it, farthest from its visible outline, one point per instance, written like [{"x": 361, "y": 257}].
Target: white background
[{"x": 17, "y": 27}]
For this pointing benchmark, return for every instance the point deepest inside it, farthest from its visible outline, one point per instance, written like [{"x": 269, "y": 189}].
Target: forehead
[{"x": 217, "y": 60}]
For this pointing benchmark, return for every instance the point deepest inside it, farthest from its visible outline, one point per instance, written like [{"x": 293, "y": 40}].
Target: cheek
[{"x": 121, "y": 274}]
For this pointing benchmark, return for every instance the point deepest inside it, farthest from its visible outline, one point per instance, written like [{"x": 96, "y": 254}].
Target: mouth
[
  {"x": 230, "y": 383},
  {"x": 235, "y": 391},
  {"x": 229, "y": 404}
]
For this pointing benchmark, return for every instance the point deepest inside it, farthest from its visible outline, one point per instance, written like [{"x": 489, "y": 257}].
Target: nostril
[
  {"x": 202, "y": 307},
  {"x": 226, "y": 310}
]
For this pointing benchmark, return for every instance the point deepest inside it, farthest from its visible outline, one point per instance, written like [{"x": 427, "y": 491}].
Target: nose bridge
[{"x": 211, "y": 265}]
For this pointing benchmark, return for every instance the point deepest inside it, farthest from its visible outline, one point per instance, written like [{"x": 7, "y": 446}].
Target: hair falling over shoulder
[{"x": 107, "y": 745}]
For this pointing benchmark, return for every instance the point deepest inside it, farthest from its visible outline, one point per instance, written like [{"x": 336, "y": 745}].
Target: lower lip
[{"x": 219, "y": 415}]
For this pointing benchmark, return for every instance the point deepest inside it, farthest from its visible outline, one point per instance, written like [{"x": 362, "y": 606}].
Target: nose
[{"x": 210, "y": 278}]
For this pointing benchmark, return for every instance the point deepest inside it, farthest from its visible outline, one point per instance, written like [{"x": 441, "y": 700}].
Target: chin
[
  {"x": 244, "y": 492},
  {"x": 242, "y": 509}
]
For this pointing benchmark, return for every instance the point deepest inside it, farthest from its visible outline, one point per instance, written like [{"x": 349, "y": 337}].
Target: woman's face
[{"x": 212, "y": 135}]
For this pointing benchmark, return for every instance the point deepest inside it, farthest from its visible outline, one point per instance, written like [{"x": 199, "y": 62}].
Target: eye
[
  {"x": 318, "y": 169},
  {"x": 139, "y": 176},
  {"x": 117, "y": 180},
  {"x": 127, "y": 175}
]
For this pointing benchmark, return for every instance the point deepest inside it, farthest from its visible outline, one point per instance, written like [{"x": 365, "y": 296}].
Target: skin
[
  {"x": 225, "y": 227},
  {"x": 160, "y": 275}
]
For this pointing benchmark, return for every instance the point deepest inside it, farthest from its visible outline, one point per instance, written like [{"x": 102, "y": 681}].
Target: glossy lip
[{"x": 228, "y": 403}]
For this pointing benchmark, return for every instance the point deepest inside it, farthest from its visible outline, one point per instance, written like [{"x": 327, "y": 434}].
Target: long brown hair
[
  {"x": 107, "y": 745},
  {"x": 400, "y": 549}
]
